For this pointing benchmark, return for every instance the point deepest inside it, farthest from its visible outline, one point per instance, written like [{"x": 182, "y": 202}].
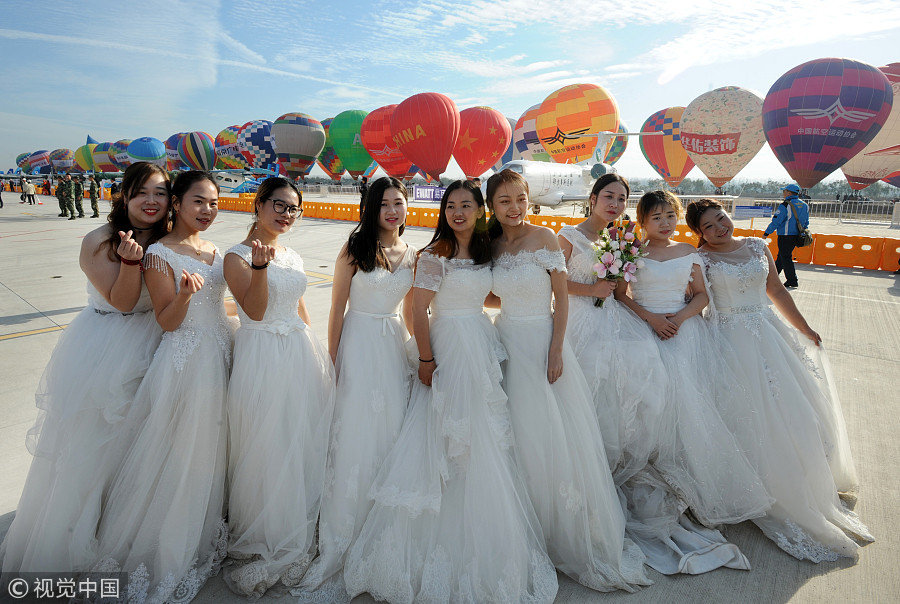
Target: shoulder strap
[{"x": 800, "y": 227}]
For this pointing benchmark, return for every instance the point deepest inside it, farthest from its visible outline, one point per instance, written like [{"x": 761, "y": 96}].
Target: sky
[{"x": 117, "y": 70}]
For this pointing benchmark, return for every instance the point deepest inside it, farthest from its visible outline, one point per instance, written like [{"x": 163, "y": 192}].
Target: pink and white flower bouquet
[{"x": 619, "y": 254}]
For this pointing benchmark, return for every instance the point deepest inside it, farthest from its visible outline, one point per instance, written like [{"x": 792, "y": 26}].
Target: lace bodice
[
  {"x": 522, "y": 282},
  {"x": 582, "y": 261},
  {"x": 460, "y": 284},
  {"x": 287, "y": 284},
  {"x": 737, "y": 280},
  {"x": 661, "y": 285},
  {"x": 380, "y": 291},
  {"x": 206, "y": 313},
  {"x": 96, "y": 299}
]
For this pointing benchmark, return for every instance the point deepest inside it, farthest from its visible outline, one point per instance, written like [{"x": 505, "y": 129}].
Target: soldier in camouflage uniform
[
  {"x": 95, "y": 196},
  {"x": 61, "y": 195},
  {"x": 78, "y": 195},
  {"x": 67, "y": 190}
]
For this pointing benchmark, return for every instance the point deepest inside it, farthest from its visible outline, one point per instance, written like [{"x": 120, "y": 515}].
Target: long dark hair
[
  {"x": 608, "y": 179},
  {"x": 495, "y": 182},
  {"x": 362, "y": 246},
  {"x": 184, "y": 182},
  {"x": 695, "y": 211},
  {"x": 134, "y": 178},
  {"x": 444, "y": 241},
  {"x": 265, "y": 191}
]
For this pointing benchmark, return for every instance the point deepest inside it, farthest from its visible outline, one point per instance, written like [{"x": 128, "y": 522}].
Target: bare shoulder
[
  {"x": 94, "y": 239},
  {"x": 545, "y": 237},
  {"x": 685, "y": 247}
]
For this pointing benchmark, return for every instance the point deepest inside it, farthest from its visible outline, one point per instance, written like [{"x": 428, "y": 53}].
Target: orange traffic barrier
[
  {"x": 355, "y": 214},
  {"x": 890, "y": 256},
  {"x": 684, "y": 234},
  {"x": 413, "y": 216},
  {"x": 851, "y": 252},
  {"x": 427, "y": 218}
]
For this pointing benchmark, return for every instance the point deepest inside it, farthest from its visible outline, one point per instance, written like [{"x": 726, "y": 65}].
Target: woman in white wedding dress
[
  {"x": 163, "y": 523},
  {"x": 558, "y": 443},
  {"x": 783, "y": 411},
  {"x": 81, "y": 432},
  {"x": 452, "y": 520},
  {"x": 280, "y": 403},
  {"x": 374, "y": 273}
]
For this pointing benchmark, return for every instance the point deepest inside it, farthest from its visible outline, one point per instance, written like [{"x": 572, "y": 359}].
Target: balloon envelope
[
  {"x": 525, "y": 137},
  {"x": 375, "y": 133},
  {"x": 570, "y": 112},
  {"x": 425, "y": 128},
  {"x": 721, "y": 130},
  {"x": 328, "y": 159},
  {"x": 893, "y": 178},
  {"x": 256, "y": 143},
  {"x": 198, "y": 150},
  {"x": 345, "y": 138},
  {"x": 484, "y": 135},
  {"x": 664, "y": 152},
  {"x": 510, "y": 153},
  {"x": 821, "y": 113},
  {"x": 39, "y": 162},
  {"x": 147, "y": 149},
  {"x": 228, "y": 154},
  {"x": 84, "y": 157},
  {"x": 373, "y": 167},
  {"x": 20, "y": 159},
  {"x": 119, "y": 153},
  {"x": 618, "y": 146},
  {"x": 299, "y": 138},
  {"x": 62, "y": 159},
  {"x": 173, "y": 159},
  {"x": 102, "y": 160},
  {"x": 869, "y": 166}
]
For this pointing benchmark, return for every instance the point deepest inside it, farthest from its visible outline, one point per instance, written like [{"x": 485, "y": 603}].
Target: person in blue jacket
[{"x": 784, "y": 225}]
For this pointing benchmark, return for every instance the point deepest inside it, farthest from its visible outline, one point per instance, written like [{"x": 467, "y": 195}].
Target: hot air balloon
[
  {"x": 510, "y": 153},
  {"x": 228, "y": 154},
  {"x": 328, "y": 159},
  {"x": 373, "y": 167},
  {"x": 821, "y": 113},
  {"x": 425, "y": 127},
  {"x": 22, "y": 161},
  {"x": 90, "y": 140},
  {"x": 62, "y": 160},
  {"x": 102, "y": 160},
  {"x": 525, "y": 138},
  {"x": 84, "y": 157},
  {"x": 147, "y": 149},
  {"x": 375, "y": 134},
  {"x": 872, "y": 163},
  {"x": 484, "y": 135},
  {"x": 198, "y": 150},
  {"x": 39, "y": 162},
  {"x": 618, "y": 146},
  {"x": 347, "y": 142},
  {"x": 256, "y": 143},
  {"x": 893, "y": 178},
  {"x": 721, "y": 130},
  {"x": 573, "y": 111},
  {"x": 173, "y": 159},
  {"x": 665, "y": 152},
  {"x": 299, "y": 138},
  {"x": 119, "y": 153}
]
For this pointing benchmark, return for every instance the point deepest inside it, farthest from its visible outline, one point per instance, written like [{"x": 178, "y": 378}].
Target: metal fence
[{"x": 842, "y": 211}]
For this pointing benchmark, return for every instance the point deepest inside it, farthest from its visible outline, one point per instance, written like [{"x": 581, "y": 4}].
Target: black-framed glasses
[{"x": 282, "y": 207}]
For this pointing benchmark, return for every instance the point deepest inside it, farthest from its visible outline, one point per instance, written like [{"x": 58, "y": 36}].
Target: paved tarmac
[{"x": 856, "y": 311}]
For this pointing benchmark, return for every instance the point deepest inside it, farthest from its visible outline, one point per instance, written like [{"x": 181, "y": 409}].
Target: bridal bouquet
[{"x": 619, "y": 254}]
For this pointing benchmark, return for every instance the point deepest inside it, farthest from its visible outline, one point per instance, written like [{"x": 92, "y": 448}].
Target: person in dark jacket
[{"x": 785, "y": 226}]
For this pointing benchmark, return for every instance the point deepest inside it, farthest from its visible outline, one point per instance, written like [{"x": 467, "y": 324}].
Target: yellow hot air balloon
[
  {"x": 570, "y": 113},
  {"x": 664, "y": 152},
  {"x": 722, "y": 130}
]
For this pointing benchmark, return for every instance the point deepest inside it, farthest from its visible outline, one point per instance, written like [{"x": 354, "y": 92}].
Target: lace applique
[
  {"x": 572, "y": 496},
  {"x": 803, "y": 547},
  {"x": 551, "y": 260},
  {"x": 752, "y": 321},
  {"x": 414, "y": 503},
  {"x": 774, "y": 390}
]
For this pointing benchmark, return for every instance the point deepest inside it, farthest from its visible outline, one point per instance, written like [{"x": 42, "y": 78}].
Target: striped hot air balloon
[
  {"x": 39, "y": 161},
  {"x": 345, "y": 138},
  {"x": 665, "y": 152},
  {"x": 618, "y": 146},
  {"x": 102, "y": 160},
  {"x": 893, "y": 179},
  {"x": 299, "y": 138},
  {"x": 228, "y": 154},
  {"x": 147, "y": 149},
  {"x": 256, "y": 143},
  {"x": 328, "y": 159},
  {"x": 569, "y": 115},
  {"x": 173, "y": 159},
  {"x": 84, "y": 157},
  {"x": 62, "y": 160},
  {"x": 525, "y": 138},
  {"x": 21, "y": 160},
  {"x": 375, "y": 134},
  {"x": 198, "y": 150},
  {"x": 119, "y": 153}
]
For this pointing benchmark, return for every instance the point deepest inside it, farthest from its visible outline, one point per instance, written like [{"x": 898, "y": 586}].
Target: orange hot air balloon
[
  {"x": 484, "y": 135},
  {"x": 569, "y": 113},
  {"x": 375, "y": 133},
  {"x": 664, "y": 152},
  {"x": 425, "y": 127}
]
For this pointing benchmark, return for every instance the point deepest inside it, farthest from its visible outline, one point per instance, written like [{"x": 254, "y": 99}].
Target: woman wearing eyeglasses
[{"x": 280, "y": 402}]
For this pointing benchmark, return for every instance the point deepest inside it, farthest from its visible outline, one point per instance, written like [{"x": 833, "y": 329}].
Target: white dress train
[
  {"x": 784, "y": 415},
  {"x": 452, "y": 520},
  {"x": 81, "y": 433},
  {"x": 163, "y": 523},
  {"x": 280, "y": 403},
  {"x": 373, "y": 385},
  {"x": 558, "y": 443}
]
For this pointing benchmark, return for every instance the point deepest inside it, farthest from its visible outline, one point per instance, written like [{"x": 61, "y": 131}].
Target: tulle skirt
[
  {"x": 373, "y": 386},
  {"x": 78, "y": 441},
  {"x": 164, "y": 521},
  {"x": 790, "y": 430},
  {"x": 280, "y": 403},
  {"x": 452, "y": 520},
  {"x": 560, "y": 451}
]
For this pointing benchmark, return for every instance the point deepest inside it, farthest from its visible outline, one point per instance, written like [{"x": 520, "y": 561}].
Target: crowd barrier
[{"x": 827, "y": 250}]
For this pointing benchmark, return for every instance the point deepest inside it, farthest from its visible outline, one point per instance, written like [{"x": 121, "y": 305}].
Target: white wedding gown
[
  {"x": 80, "y": 435},
  {"x": 558, "y": 443},
  {"x": 452, "y": 520},
  {"x": 163, "y": 523},
  {"x": 782, "y": 411},
  {"x": 373, "y": 385},
  {"x": 280, "y": 403}
]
